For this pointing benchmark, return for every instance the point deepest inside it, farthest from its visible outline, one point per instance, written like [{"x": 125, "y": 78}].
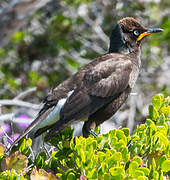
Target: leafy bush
[{"x": 117, "y": 155}]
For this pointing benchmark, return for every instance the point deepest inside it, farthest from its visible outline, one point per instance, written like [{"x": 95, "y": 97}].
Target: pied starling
[{"x": 97, "y": 90}]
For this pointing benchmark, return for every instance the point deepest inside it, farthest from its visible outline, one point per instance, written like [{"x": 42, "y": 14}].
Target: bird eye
[{"x": 136, "y": 32}]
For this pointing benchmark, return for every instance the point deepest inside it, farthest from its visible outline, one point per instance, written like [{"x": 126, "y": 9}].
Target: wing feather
[{"x": 98, "y": 88}]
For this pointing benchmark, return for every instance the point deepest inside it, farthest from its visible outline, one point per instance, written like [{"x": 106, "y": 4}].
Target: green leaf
[
  {"x": 153, "y": 164},
  {"x": 94, "y": 174},
  {"x": 101, "y": 156},
  {"x": 107, "y": 177},
  {"x": 157, "y": 101},
  {"x": 103, "y": 140},
  {"x": 24, "y": 146},
  {"x": 150, "y": 124},
  {"x": 114, "y": 159},
  {"x": 104, "y": 166},
  {"x": 71, "y": 176},
  {"x": 165, "y": 110},
  {"x": 126, "y": 132},
  {"x": 165, "y": 165},
  {"x": 116, "y": 171},
  {"x": 166, "y": 101},
  {"x": 142, "y": 178},
  {"x": 145, "y": 170},
  {"x": 137, "y": 159},
  {"x": 125, "y": 154},
  {"x": 14, "y": 83},
  {"x": 2, "y": 52},
  {"x": 155, "y": 175},
  {"x": 40, "y": 160},
  {"x": 163, "y": 139},
  {"x": 161, "y": 120},
  {"x": 120, "y": 135},
  {"x": 153, "y": 113},
  {"x": 18, "y": 36},
  {"x": 137, "y": 173},
  {"x": 161, "y": 176},
  {"x": 9, "y": 175},
  {"x": 133, "y": 166},
  {"x": 162, "y": 159},
  {"x": 72, "y": 145},
  {"x": 113, "y": 141}
]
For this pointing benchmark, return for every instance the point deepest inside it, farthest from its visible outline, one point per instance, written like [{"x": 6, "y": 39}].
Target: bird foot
[{"x": 91, "y": 131}]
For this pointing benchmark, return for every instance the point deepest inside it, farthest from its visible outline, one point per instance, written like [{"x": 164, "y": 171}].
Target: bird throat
[{"x": 117, "y": 42}]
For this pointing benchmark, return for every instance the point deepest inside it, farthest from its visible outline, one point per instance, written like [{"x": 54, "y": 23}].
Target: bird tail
[
  {"x": 27, "y": 130},
  {"x": 42, "y": 130},
  {"x": 56, "y": 128}
]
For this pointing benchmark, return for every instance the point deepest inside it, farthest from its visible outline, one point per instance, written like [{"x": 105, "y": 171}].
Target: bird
[{"x": 97, "y": 91}]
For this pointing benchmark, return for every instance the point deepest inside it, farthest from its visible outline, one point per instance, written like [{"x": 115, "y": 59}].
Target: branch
[
  {"x": 95, "y": 25},
  {"x": 16, "y": 102},
  {"x": 97, "y": 29},
  {"x": 94, "y": 46},
  {"x": 5, "y": 117},
  {"x": 11, "y": 116},
  {"x": 26, "y": 93}
]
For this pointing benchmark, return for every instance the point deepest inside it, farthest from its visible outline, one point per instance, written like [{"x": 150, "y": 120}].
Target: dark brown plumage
[{"x": 97, "y": 90}]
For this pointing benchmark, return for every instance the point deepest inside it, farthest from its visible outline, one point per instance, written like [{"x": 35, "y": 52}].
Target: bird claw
[{"x": 92, "y": 132}]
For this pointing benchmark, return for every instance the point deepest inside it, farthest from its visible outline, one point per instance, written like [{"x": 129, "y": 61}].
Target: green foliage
[
  {"x": 18, "y": 37},
  {"x": 116, "y": 155}
]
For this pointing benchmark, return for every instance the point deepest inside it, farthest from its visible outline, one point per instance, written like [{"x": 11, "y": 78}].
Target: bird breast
[{"x": 133, "y": 76}]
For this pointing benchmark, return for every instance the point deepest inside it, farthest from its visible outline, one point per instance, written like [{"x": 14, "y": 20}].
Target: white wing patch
[{"x": 54, "y": 116}]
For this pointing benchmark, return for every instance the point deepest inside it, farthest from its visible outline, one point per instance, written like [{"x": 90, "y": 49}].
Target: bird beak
[{"x": 148, "y": 32}]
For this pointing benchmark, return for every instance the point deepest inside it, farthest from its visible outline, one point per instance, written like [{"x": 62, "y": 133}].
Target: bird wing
[
  {"x": 106, "y": 80},
  {"x": 100, "y": 85}
]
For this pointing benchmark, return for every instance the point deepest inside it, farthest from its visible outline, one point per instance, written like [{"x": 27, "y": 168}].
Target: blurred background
[{"x": 43, "y": 42}]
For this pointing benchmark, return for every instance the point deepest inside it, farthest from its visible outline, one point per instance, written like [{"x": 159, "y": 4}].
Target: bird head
[{"x": 128, "y": 34}]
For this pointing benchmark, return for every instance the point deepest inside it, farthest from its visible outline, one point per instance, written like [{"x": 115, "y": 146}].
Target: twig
[
  {"x": 45, "y": 149},
  {"x": 15, "y": 16},
  {"x": 95, "y": 25},
  {"x": 10, "y": 116},
  {"x": 26, "y": 93},
  {"x": 16, "y": 102},
  {"x": 26, "y": 170},
  {"x": 94, "y": 46},
  {"x": 32, "y": 154},
  {"x": 97, "y": 29},
  {"x": 7, "y": 135}
]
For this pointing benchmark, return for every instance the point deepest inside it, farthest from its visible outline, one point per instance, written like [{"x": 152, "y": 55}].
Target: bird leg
[{"x": 88, "y": 128}]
